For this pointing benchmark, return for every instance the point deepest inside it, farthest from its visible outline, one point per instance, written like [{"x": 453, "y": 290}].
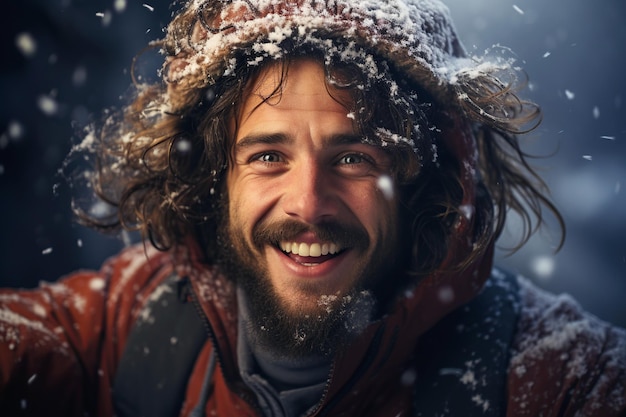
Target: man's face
[{"x": 306, "y": 208}]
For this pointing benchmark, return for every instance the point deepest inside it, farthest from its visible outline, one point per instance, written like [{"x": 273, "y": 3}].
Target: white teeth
[
  {"x": 311, "y": 250},
  {"x": 315, "y": 250},
  {"x": 332, "y": 249},
  {"x": 304, "y": 249}
]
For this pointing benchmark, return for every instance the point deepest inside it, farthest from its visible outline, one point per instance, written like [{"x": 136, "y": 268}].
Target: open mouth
[{"x": 310, "y": 253}]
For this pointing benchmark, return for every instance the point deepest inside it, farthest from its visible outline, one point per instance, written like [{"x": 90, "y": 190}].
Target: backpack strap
[
  {"x": 463, "y": 361},
  {"x": 160, "y": 353}
]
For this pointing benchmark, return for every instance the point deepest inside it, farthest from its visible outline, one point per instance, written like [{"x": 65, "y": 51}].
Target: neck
[{"x": 282, "y": 372}]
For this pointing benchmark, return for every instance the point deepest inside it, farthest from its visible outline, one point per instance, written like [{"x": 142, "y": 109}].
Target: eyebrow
[
  {"x": 267, "y": 139},
  {"x": 280, "y": 138}
]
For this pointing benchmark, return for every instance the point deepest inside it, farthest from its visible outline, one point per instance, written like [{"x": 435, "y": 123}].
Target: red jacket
[{"x": 61, "y": 343}]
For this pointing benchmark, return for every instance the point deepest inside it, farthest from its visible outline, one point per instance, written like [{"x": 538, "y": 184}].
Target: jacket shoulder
[
  {"x": 133, "y": 269},
  {"x": 564, "y": 360},
  {"x": 62, "y": 340}
]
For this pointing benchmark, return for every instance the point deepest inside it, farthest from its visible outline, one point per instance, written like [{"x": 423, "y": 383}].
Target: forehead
[
  {"x": 295, "y": 76},
  {"x": 293, "y": 90}
]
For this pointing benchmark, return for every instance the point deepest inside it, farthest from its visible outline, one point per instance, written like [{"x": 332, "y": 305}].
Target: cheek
[
  {"x": 376, "y": 211},
  {"x": 236, "y": 215},
  {"x": 248, "y": 201}
]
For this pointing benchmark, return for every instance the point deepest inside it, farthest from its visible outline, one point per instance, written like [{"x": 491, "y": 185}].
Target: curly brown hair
[{"x": 162, "y": 166}]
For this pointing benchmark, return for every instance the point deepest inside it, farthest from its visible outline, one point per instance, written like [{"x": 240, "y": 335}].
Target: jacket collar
[{"x": 382, "y": 351}]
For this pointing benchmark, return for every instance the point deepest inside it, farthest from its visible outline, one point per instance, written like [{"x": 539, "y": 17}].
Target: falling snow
[
  {"x": 79, "y": 77},
  {"x": 543, "y": 266},
  {"x": 596, "y": 112},
  {"x": 26, "y": 44},
  {"x": 446, "y": 294},
  {"x": 106, "y": 17},
  {"x": 467, "y": 210},
  {"x": 385, "y": 185},
  {"x": 183, "y": 145},
  {"x": 101, "y": 209},
  {"x": 119, "y": 5},
  {"x": 97, "y": 284},
  {"x": 47, "y": 105},
  {"x": 408, "y": 377},
  {"x": 15, "y": 130}
]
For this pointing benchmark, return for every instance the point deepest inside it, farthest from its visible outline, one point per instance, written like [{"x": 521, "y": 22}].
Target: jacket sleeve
[
  {"x": 60, "y": 343},
  {"x": 566, "y": 362}
]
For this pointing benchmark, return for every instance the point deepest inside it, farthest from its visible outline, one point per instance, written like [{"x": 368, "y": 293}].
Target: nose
[{"x": 309, "y": 195}]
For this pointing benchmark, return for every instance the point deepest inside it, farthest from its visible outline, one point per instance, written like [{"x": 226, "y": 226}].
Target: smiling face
[{"x": 307, "y": 211}]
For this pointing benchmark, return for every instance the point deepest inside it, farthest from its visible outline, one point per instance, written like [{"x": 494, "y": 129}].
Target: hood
[{"x": 208, "y": 39}]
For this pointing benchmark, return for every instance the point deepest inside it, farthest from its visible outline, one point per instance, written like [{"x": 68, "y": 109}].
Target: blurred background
[{"x": 65, "y": 61}]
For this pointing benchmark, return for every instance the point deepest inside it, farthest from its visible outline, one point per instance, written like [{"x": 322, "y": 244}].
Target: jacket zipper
[
  {"x": 323, "y": 410},
  {"x": 213, "y": 340},
  {"x": 325, "y": 392}
]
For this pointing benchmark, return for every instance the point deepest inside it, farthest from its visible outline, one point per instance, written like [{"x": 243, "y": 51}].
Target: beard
[{"x": 337, "y": 318}]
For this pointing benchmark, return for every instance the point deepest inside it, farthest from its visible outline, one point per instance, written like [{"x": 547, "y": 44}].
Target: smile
[{"x": 313, "y": 250}]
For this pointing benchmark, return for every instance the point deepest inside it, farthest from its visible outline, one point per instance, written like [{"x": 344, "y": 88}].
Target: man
[{"x": 324, "y": 182}]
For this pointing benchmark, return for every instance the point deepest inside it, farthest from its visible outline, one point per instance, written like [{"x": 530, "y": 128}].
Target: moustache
[{"x": 346, "y": 236}]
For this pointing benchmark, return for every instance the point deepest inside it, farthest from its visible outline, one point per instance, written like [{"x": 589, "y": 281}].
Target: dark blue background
[{"x": 573, "y": 51}]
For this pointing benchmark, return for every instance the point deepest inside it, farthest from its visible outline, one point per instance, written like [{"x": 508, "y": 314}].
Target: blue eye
[
  {"x": 351, "y": 159},
  {"x": 268, "y": 157}
]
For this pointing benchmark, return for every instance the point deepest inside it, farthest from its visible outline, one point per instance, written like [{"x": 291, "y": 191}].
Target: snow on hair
[{"x": 161, "y": 160}]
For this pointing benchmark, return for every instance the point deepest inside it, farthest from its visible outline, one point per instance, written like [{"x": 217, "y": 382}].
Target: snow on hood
[{"x": 206, "y": 39}]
